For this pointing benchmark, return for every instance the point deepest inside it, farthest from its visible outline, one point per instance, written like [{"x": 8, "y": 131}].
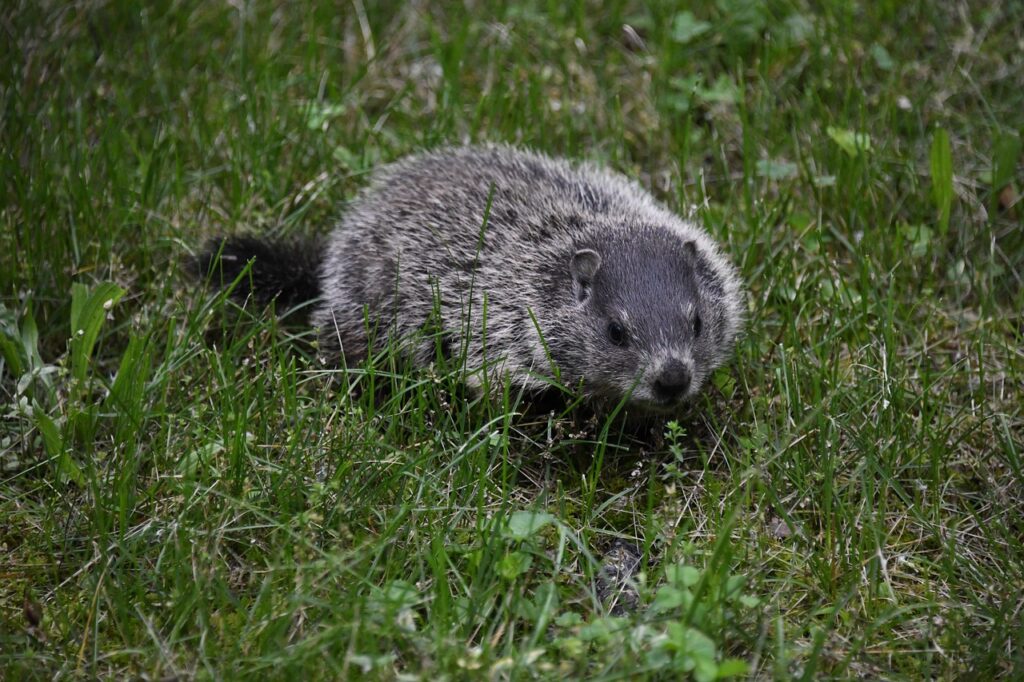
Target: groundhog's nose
[{"x": 672, "y": 382}]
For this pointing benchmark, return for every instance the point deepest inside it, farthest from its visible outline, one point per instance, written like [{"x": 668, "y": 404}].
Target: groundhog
[{"x": 517, "y": 265}]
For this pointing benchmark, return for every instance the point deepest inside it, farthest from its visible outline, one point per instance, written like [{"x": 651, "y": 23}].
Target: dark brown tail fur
[{"x": 282, "y": 271}]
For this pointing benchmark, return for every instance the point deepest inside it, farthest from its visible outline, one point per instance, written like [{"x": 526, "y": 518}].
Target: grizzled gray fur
[{"x": 519, "y": 261}]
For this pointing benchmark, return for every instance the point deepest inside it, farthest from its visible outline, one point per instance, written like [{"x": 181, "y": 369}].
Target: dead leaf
[
  {"x": 33, "y": 612},
  {"x": 632, "y": 40},
  {"x": 1008, "y": 200},
  {"x": 778, "y": 529}
]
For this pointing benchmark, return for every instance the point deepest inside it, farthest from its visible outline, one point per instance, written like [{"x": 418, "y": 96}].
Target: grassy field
[{"x": 187, "y": 492}]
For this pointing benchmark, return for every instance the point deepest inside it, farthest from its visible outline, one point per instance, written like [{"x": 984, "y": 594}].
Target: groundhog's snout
[{"x": 672, "y": 381}]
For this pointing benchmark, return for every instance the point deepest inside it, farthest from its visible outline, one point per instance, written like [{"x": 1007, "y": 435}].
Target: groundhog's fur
[{"x": 522, "y": 265}]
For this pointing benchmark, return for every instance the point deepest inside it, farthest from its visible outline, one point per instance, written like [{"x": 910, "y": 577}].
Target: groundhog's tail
[{"x": 282, "y": 271}]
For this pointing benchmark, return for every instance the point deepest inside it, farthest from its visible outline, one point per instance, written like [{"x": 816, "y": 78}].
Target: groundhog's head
[{"x": 655, "y": 315}]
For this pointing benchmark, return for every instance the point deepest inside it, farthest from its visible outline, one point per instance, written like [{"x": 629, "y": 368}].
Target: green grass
[{"x": 186, "y": 492}]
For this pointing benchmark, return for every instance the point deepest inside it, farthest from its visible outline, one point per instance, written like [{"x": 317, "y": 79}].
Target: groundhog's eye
[
  {"x": 696, "y": 326},
  {"x": 617, "y": 333}
]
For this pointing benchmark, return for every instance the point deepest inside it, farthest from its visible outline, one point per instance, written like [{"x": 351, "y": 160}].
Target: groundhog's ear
[
  {"x": 691, "y": 248},
  {"x": 583, "y": 266}
]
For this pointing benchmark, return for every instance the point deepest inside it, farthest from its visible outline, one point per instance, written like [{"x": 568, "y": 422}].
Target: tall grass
[{"x": 186, "y": 491}]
